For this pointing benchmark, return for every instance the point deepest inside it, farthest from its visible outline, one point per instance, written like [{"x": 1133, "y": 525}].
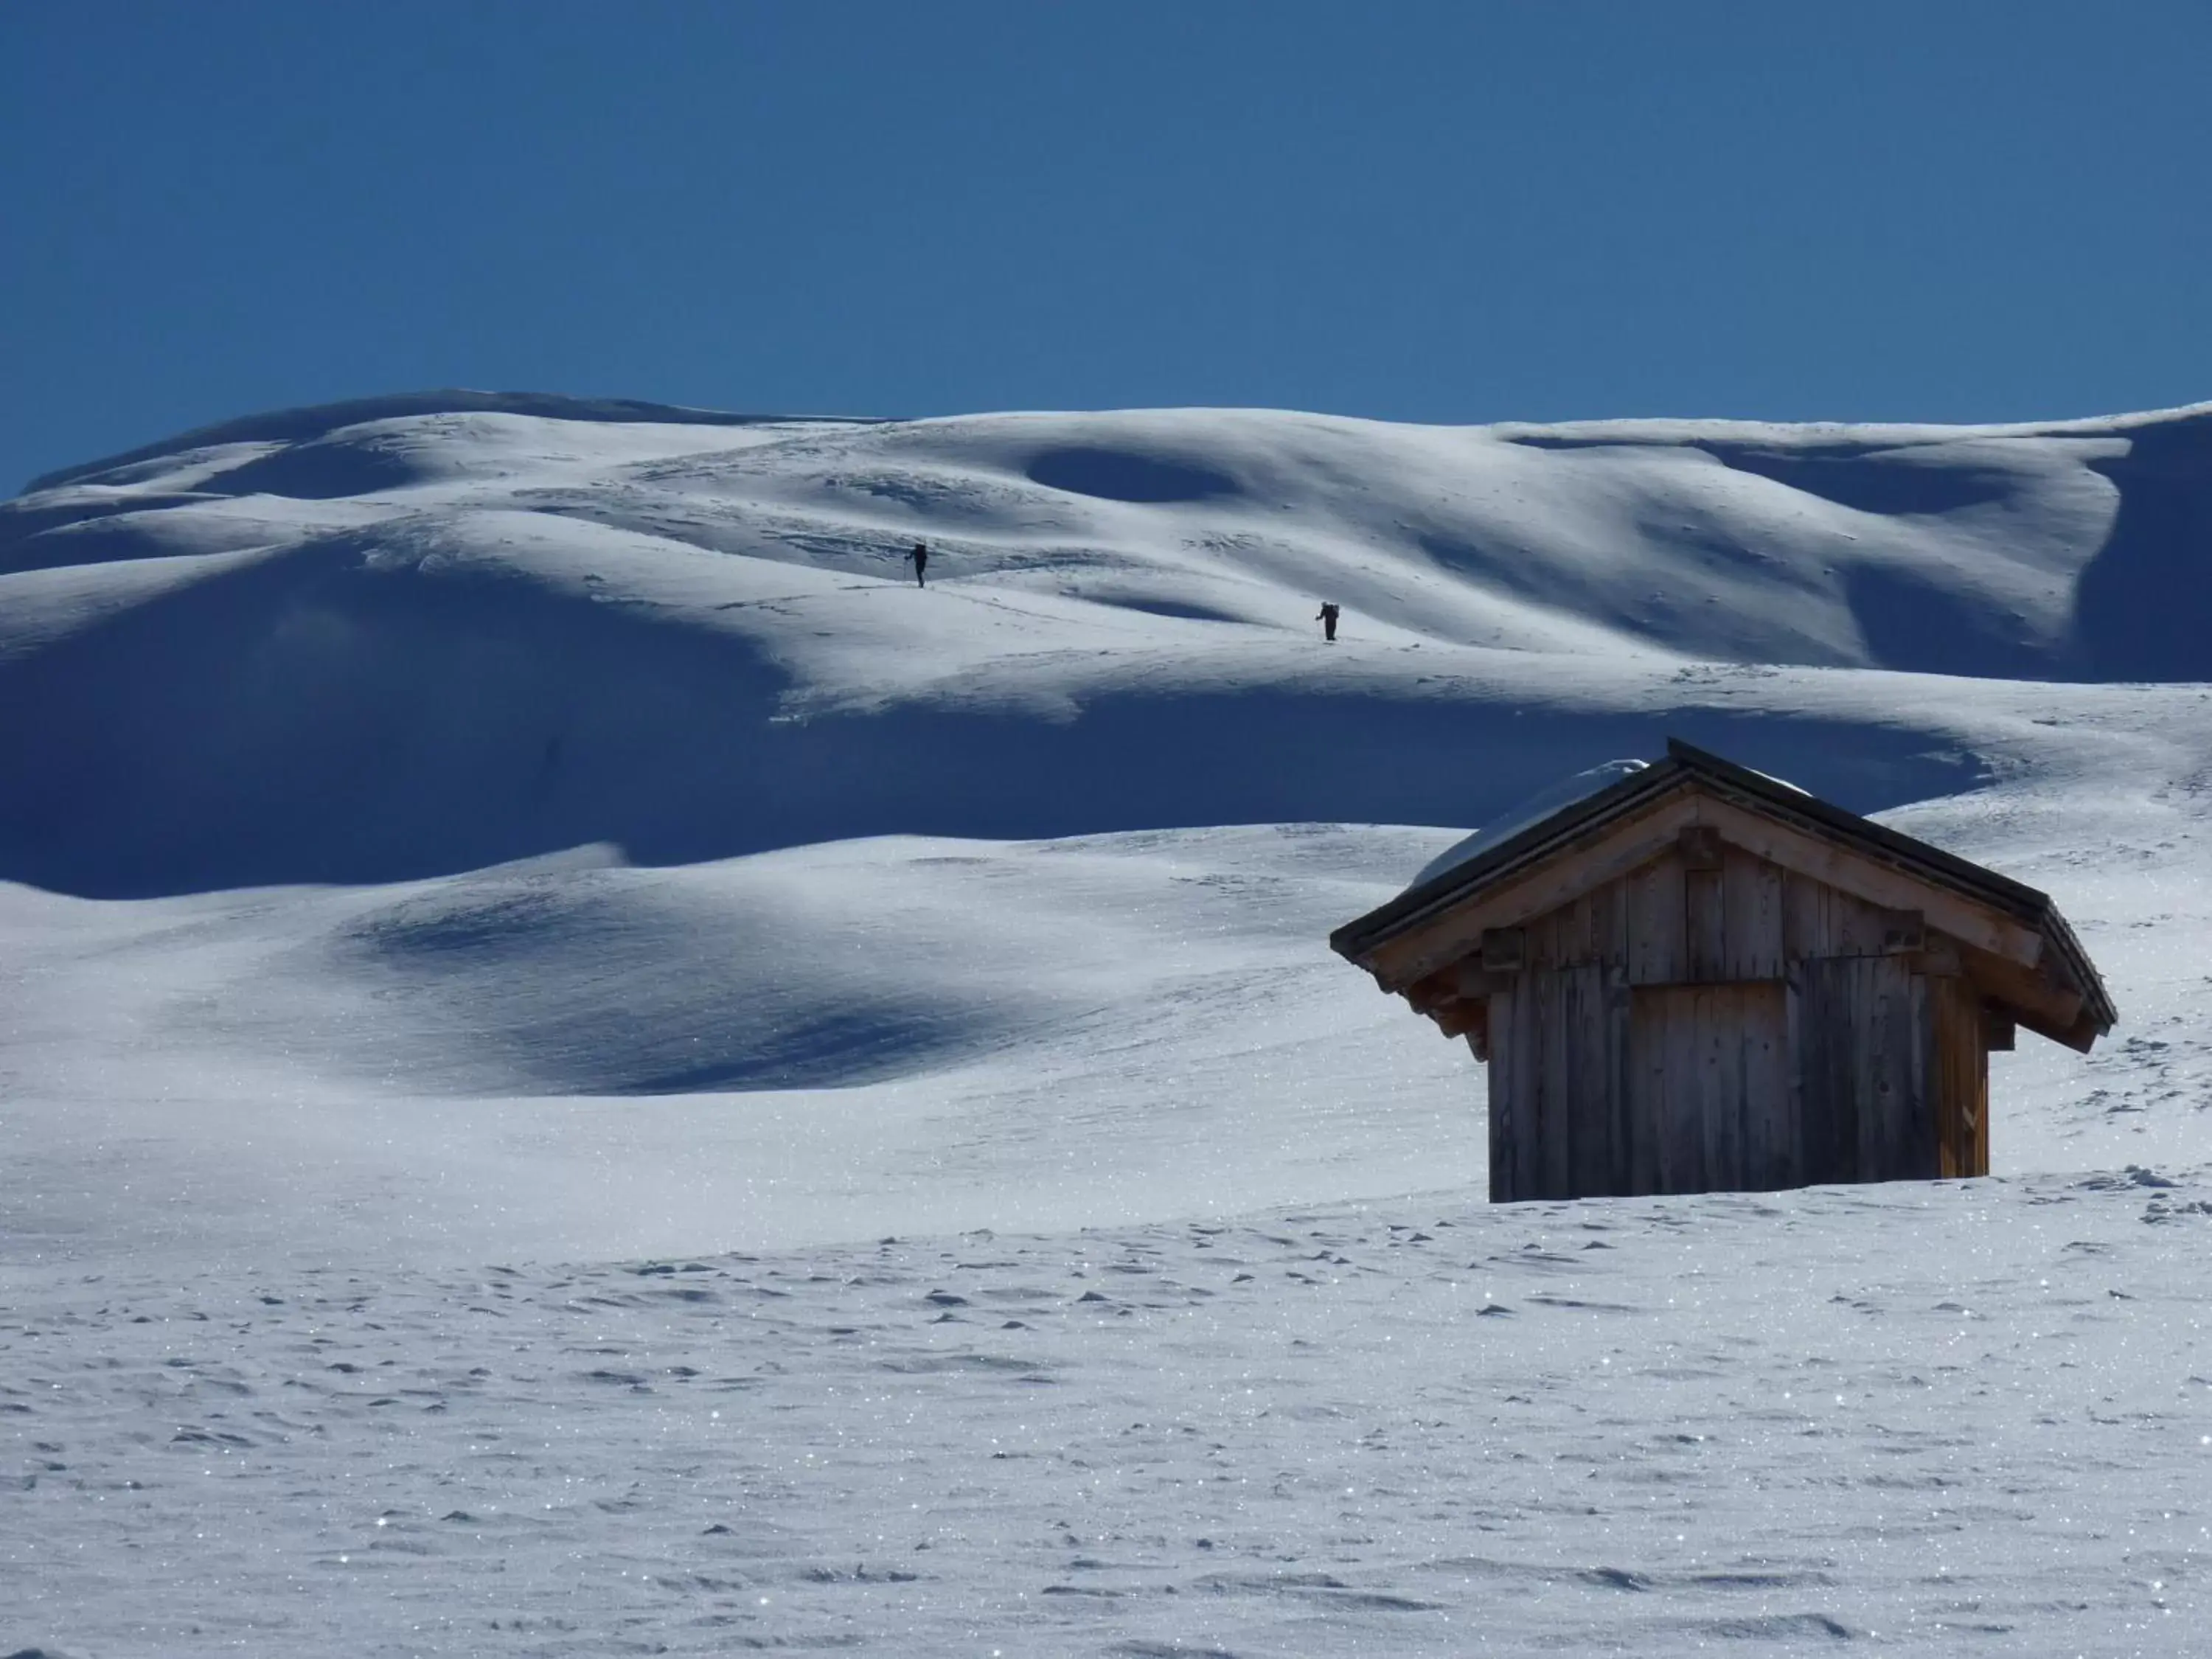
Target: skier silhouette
[
  {"x": 920, "y": 557},
  {"x": 1327, "y": 621}
]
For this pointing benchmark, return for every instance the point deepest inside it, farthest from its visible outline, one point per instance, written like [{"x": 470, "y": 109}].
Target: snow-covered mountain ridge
[
  {"x": 1725, "y": 540},
  {"x": 319, "y": 647}
]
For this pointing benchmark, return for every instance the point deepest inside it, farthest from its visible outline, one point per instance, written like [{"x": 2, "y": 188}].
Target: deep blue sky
[{"x": 1452, "y": 212}]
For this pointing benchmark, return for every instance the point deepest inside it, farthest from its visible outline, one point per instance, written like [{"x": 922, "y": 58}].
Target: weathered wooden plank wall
[
  {"x": 1705, "y": 924},
  {"x": 1554, "y": 1085},
  {"x": 1710, "y": 1021},
  {"x": 1826, "y": 1064},
  {"x": 1595, "y": 1014},
  {"x": 1902, "y": 1036},
  {"x": 1555, "y": 1079},
  {"x": 1751, "y": 892},
  {"x": 1507, "y": 1056},
  {"x": 1864, "y": 1056},
  {"x": 1961, "y": 1078},
  {"x": 1773, "y": 1152},
  {"x": 1741, "y": 919},
  {"x": 1656, "y": 923}
]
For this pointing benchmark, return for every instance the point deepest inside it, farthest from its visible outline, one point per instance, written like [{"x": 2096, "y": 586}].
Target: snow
[
  {"x": 1425, "y": 1427},
  {"x": 1538, "y": 807},
  {"x": 504, "y": 904}
]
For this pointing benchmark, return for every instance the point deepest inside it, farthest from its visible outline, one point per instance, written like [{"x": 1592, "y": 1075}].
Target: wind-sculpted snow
[
  {"x": 297, "y": 650},
  {"x": 577, "y": 1059},
  {"x": 467, "y": 829},
  {"x": 581, "y": 1059},
  {"x": 306, "y": 425},
  {"x": 1949, "y": 1419}
]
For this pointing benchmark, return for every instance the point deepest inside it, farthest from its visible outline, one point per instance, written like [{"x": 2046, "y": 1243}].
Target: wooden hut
[{"x": 1700, "y": 979}]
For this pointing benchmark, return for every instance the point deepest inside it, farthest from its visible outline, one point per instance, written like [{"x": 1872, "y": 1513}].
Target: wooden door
[{"x": 1708, "y": 1089}]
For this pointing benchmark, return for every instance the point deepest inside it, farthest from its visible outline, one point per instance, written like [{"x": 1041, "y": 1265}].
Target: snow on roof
[{"x": 1536, "y": 808}]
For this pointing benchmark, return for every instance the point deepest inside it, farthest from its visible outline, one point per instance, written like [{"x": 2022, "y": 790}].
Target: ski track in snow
[{"x": 440, "y": 833}]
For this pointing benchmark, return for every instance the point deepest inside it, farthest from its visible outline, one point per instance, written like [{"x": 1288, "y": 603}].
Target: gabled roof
[{"x": 1585, "y": 820}]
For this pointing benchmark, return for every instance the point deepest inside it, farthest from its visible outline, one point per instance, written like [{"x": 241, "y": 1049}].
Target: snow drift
[{"x": 413, "y": 636}]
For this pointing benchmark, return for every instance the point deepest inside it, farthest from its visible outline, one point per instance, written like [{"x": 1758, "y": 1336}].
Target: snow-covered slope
[
  {"x": 419, "y": 644},
  {"x": 828, "y": 1042},
  {"x": 463, "y": 827}
]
